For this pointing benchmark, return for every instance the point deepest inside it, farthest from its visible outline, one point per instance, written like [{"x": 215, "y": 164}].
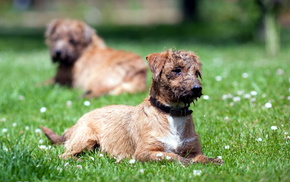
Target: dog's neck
[
  {"x": 64, "y": 75},
  {"x": 173, "y": 111}
]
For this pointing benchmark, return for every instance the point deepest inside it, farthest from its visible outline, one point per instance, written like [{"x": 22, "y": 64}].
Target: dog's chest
[{"x": 175, "y": 137}]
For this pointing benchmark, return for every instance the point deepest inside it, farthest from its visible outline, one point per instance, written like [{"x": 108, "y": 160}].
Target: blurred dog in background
[{"x": 85, "y": 62}]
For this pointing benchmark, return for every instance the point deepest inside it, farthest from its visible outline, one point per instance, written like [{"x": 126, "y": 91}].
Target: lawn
[{"x": 243, "y": 116}]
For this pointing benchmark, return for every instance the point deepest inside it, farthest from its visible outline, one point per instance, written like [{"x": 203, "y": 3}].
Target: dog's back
[{"x": 108, "y": 71}]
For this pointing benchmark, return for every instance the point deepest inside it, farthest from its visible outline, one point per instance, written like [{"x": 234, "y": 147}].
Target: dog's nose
[
  {"x": 196, "y": 89},
  {"x": 58, "y": 53}
]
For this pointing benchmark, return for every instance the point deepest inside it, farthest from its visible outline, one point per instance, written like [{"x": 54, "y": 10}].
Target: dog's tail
[{"x": 52, "y": 136}]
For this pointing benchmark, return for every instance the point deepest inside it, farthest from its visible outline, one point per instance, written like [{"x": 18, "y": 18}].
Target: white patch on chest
[{"x": 174, "y": 138}]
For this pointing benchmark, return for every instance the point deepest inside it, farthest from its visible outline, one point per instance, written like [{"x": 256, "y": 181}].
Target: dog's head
[
  {"x": 176, "y": 77},
  {"x": 67, "y": 39}
]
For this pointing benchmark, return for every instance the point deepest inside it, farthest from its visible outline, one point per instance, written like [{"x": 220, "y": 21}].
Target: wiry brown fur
[
  {"x": 145, "y": 132},
  {"x": 85, "y": 62}
]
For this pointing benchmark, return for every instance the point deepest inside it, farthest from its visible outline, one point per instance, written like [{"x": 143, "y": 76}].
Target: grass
[{"x": 233, "y": 121}]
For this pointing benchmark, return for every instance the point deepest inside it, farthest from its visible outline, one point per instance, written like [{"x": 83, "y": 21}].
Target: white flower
[
  {"x": 280, "y": 71},
  {"x": 286, "y": 133},
  {"x": 205, "y": 97},
  {"x": 253, "y": 99},
  {"x": 227, "y": 118},
  {"x": 268, "y": 105},
  {"x": 159, "y": 155},
  {"x": 132, "y": 161},
  {"x": 37, "y": 130},
  {"x": 87, "y": 103},
  {"x": 79, "y": 167},
  {"x": 253, "y": 92},
  {"x": 245, "y": 75},
  {"x": 43, "y": 109},
  {"x": 259, "y": 139},
  {"x": 40, "y": 141},
  {"x": 227, "y": 147},
  {"x": 288, "y": 98},
  {"x": 66, "y": 164},
  {"x": 14, "y": 124},
  {"x": 197, "y": 172},
  {"x": 218, "y": 78},
  {"x": 92, "y": 158},
  {"x": 168, "y": 157},
  {"x": 21, "y": 97},
  {"x": 219, "y": 157},
  {"x": 141, "y": 171},
  {"x": 44, "y": 147},
  {"x": 101, "y": 155},
  {"x": 240, "y": 92},
  {"x": 68, "y": 103},
  {"x": 247, "y": 96},
  {"x": 4, "y": 130},
  {"x": 236, "y": 99},
  {"x": 227, "y": 96},
  {"x": 58, "y": 168},
  {"x": 3, "y": 119},
  {"x": 224, "y": 97},
  {"x": 274, "y": 127},
  {"x": 26, "y": 127}
]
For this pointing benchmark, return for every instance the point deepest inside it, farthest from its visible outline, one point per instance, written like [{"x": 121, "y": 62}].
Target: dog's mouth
[
  {"x": 63, "y": 60},
  {"x": 187, "y": 100},
  {"x": 191, "y": 96}
]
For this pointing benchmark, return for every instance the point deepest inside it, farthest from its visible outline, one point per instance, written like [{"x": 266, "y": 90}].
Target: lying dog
[
  {"x": 85, "y": 62},
  {"x": 159, "y": 128}
]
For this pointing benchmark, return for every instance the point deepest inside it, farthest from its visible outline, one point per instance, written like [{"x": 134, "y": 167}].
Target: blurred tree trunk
[
  {"x": 270, "y": 10},
  {"x": 190, "y": 10},
  {"x": 272, "y": 34}
]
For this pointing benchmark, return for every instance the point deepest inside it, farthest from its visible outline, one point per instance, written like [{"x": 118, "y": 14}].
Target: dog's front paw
[{"x": 216, "y": 160}]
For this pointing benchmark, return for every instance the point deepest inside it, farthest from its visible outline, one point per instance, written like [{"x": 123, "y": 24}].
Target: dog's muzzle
[
  {"x": 59, "y": 56},
  {"x": 196, "y": 91},
  {"x": 192, "y": 95}
]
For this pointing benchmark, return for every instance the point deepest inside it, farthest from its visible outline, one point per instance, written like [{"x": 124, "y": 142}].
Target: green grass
[{"x": 220, "y": 122}]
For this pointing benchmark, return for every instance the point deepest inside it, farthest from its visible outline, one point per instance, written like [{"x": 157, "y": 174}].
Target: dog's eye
[
  {"x": 197, "y": 74},
  {"x": 177, "y": 70},
  {"x": 72, "y": 41}
]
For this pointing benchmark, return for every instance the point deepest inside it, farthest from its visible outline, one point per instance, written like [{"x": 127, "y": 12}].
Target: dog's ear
[
  {"x": 199, "y": 64},
  {"x": 156, "y": 63},
  {"x": 51, "y": 27},
  {"x": 88, "y": 33}
]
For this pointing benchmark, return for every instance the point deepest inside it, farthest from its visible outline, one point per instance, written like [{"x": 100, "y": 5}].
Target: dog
[
  {"x": 159, "y": 128},
  {"x": 85, "y": 62}
]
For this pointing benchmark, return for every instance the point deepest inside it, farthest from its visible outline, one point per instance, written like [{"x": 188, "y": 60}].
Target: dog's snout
[
  {"x": 196, "y": 89},
  {"x": 58, "y": 53}
]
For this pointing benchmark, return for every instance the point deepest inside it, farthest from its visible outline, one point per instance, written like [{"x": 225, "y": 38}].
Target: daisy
[
  {"x": 197, "y": 172},
  {"x": 87, "y": 103},
  {"x": 42, "y": 109}
]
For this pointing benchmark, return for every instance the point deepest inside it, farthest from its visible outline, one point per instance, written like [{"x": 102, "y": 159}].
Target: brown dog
[
  {"x": 85, "y": 62},
  {"x": 159, "y": 128}
]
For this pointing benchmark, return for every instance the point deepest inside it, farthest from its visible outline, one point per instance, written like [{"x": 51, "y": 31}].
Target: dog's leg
[
  {"x": 159, "y": 155},
  {"x": 200, "y": 158},
  {"x": 97, "y": 92},
  {"x": 81, "y": 139}
]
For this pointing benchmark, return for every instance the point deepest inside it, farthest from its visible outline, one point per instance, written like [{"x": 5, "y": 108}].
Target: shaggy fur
[
  {"x": 85, "y": 62},
  {"x": 146, "y": 132}
]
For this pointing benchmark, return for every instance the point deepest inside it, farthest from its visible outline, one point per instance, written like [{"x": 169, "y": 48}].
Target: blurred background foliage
[{"x": 204, "y": 20}]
